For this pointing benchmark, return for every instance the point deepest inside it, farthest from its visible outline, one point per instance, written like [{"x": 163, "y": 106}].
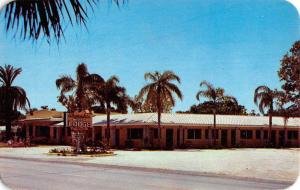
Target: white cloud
[
  {"x": 296, "y": 4},
  {"x": 4, "y": 2}
]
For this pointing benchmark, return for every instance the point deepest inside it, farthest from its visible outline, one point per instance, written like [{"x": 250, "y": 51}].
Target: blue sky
[{"x": 234, "y": 44}]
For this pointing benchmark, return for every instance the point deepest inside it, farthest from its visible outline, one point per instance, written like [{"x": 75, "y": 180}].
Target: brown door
[
  {"x": 281, "y": 139},
  {"x": 117, "y": 137},
  {"x": 169, "y": 138},
  {"x": 233, "y": 136},
  {"x": 224, "y": 138}
]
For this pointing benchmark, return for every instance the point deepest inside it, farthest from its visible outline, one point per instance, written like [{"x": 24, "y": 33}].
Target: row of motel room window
[{"x": 226, "y": 137}]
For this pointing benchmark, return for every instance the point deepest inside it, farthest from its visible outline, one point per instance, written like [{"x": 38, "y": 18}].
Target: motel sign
[{"x": 79, "y": 120}]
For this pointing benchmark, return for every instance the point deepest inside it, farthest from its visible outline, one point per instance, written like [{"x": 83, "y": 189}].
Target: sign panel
[{"x": 79, "y": 120}]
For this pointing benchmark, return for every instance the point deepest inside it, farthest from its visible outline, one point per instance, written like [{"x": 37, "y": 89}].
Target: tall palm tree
[
  {"x": 215, "y": 95},
  {"x": 81, "y": 88},
  {"x": 265, "y": 98},
  {"x": 109, "y": 93},
  {"x": 12, "y": 97},
  {"x": 44, "y": 18},
  {"x": 159, "y": 90}
]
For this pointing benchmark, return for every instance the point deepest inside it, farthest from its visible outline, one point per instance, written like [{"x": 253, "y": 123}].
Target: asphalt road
[{"x": 30, "y": 174}]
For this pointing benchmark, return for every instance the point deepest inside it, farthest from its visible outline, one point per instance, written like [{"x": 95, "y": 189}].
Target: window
[
  {"x": 44, "y": 131},
  {"x": 194, "y": 133},
  {"x": 135, "y": 133},
  {"x": 292, "y": 134},
  {"x": 265, "y": 134},
  {"x": 258, "y": 134},
  {"x": 206, "y": 133},
  {"x": 246, "y": 134}
]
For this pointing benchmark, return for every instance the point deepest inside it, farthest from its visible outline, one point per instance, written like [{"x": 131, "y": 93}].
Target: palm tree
[
  {"x": 215, "y": 95},
  {"x": 265, "y": 98},
  {"x": 109, "y": 93},
  {"x": 12, "y": 97},
  {"x": 159, "y": 90},
  {"x": 43, "y": 18},
  {"x": 81, "y": 88},
  {"x": 68, "y": 101}
]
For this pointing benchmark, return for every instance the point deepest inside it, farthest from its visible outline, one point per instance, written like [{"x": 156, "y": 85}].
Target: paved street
[
  {"x": 26, "y": 174},
  {"x": 272, "y": 164}
]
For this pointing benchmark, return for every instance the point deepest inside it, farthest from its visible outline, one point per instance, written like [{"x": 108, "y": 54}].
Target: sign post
[{"x": 79, "y": 122}]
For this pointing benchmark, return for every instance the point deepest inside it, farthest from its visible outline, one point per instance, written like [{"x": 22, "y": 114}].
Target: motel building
[{"x": 177, "y": 130}]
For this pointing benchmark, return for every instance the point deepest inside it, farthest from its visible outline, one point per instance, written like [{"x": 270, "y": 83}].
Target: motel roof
[{"x": 194, "y": 119}]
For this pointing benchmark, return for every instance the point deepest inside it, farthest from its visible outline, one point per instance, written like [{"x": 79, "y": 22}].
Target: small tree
[
  {"x": 109, "y": 93},
  {"x": 289, "y": 74},
  {"x": 265, "y": 98},
  {"x": 81, "y": 89},
  {"x": 12, "y": 97},
  {"x": 160, "y": 89},
  {"x": 215, "y": 96}
]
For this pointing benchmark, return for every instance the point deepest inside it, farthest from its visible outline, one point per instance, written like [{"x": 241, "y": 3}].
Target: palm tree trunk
[
  {"x": 215, "y": 130},
  {"x": 159, "y": 118},
  {"x": 270, "y": 124},
  {"x": 108, "y": 123},
  {"x": 8, "y": 130}
]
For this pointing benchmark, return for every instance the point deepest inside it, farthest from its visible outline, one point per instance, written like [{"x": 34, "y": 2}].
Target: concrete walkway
[{"x": 273, "y": 164}]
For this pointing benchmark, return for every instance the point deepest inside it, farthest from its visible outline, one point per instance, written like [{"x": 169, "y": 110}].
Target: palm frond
[
  {"x": 151, "y": 76},
  {"x": 65, "y": 83},
  {"x": 169, "y": 76},
  {"x": 206, "y": 84},
  {"x": 173, "y": 88},
  {"x": 113, "y": 81},
  {"x": 167, "y": 96},
  {"x": 146, "y": 89},
  {"x": 81, "y": 71},
  {"x": 35, "y": 18},
  {"x": 219, "y": 92}
]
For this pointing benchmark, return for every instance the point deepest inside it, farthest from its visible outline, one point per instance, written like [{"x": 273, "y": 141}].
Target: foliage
[
  {"x": 289, "y": 74},
  {"x": 89, "y": 148},
  {"x": 160, "y": 90},
  {"x": 217, "y": 102},
  {"x": 265, "y": 98},
  {"x": 81, "y": 89},
  {"x": 142, "y": 106},
  {"x": 110, "y": 94},
  {"x": 44, "y": 18},
  {"x": 214, "y": 95},
  {"x": 12, "y": 97},
  {"x": 222, "y": 107}
]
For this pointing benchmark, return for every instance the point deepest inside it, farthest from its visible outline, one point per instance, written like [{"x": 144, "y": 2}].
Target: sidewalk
[{"x": 274, "y": 164}]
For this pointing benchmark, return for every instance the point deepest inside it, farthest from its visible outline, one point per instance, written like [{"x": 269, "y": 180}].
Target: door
[
  {"x": 233, "y": 137},
  {"x": 178, "y": 137},
  {"x": 224, "y": 138},
  {"x": 117, "y": 137},
  {"x": 169, "y": 138},
  {"x": 281, "y": 138},
  {"x": 273, "y": 138}
]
